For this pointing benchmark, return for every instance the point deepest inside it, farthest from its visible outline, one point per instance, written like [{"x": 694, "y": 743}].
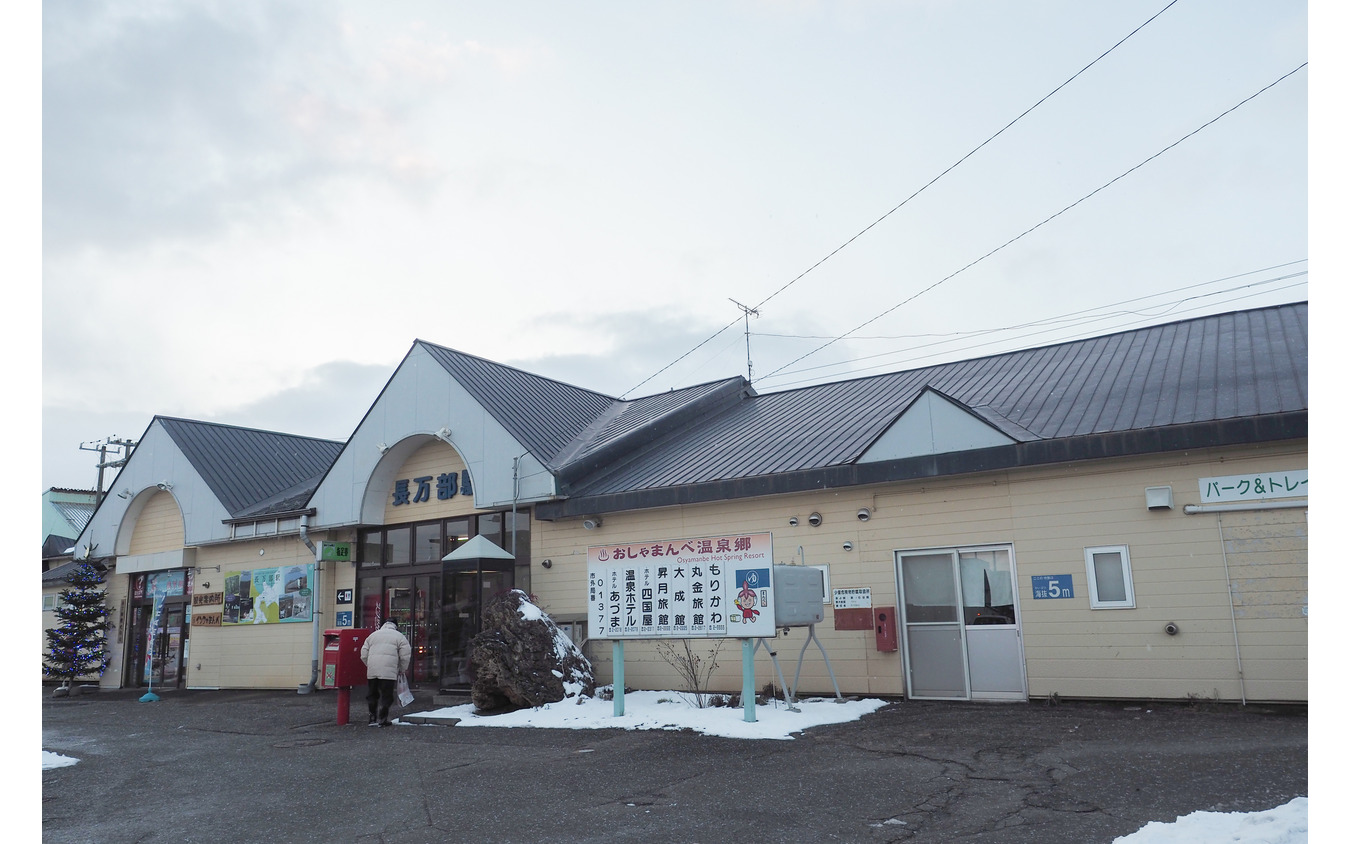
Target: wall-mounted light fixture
[
  {"x": 864, "y": 514},
  {"x": 124, "y": 494},
  {"x": 382, "y": 448},
  {"x": 814, "y": 519},
  {"x": 443, "y": 435},
  {"x": 591, "y": 522},
  {"x": 164, "y": 485},
  {"x": 548, "y": 564}
]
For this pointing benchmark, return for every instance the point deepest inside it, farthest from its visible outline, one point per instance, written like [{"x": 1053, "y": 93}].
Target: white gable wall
[
  {"x": 933, "y": 425},
  {"x": 156, "y": 459},
  {"x": 419, "y": 400}
]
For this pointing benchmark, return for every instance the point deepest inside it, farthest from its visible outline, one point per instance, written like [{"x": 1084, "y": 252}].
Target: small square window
[
  {"x": 1110, "y": 583},
  {"x": 243, "y": 529},
  {"x": 48, "y": 602}
]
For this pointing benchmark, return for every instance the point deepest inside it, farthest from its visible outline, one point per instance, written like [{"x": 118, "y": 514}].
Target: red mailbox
[{"x": 342, "y": 665}]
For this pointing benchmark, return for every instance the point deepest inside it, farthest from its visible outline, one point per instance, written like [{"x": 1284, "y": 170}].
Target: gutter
[{"x": 1238, "y": 506}]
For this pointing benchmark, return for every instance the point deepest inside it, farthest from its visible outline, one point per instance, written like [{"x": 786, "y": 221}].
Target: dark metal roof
[
  {"x": 543, "y": 414},
  {"x": 1206, "y": 370},
  {"x": 245, "y": 467},
  {"x": 57, "y": 546}
]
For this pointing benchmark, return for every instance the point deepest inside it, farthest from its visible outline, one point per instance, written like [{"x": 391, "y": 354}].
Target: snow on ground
[
  {"x": 1287, "y": 824},
  {"x": 55, "y": 760},
  {"x": 670, "y": 711}
]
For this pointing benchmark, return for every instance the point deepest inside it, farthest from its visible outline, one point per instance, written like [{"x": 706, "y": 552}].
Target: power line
[
  {"x": 1141, "y": 320},
  {"x": 1057, "y": 214},
  {"x": 1072, "y": 314},
  {"x": 907, "y": 199}
]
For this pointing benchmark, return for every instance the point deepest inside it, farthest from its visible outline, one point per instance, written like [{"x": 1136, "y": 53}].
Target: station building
[{"x": 1118, "y": 517}]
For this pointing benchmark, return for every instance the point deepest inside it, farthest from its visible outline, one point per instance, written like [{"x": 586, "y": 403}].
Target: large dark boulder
[{"x": 522, "y": 659}]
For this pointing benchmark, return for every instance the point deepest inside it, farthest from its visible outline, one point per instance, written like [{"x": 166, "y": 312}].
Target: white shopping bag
[{"x": 405, "y": 695}]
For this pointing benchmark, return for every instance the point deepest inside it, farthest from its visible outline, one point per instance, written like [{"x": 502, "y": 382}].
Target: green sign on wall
[{"x": 340, "y": 551}]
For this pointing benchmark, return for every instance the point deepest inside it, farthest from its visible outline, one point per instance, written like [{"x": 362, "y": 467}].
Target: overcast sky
[{"x": 250, "y": 210}]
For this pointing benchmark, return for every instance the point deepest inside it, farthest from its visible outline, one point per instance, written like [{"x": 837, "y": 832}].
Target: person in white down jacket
[{"x": 386, "y": 653}]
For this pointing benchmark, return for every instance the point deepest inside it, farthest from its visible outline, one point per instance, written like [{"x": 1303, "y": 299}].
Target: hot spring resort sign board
[{"x": 710, "y": 587}]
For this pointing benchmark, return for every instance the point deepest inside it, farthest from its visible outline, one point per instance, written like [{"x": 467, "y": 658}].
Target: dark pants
[{"x": 380, "y": 692}]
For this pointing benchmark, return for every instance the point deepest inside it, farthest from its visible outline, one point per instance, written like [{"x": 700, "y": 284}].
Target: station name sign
[
  {"x": 443, "y": 487},
  {"x": 705, "y": 587}
]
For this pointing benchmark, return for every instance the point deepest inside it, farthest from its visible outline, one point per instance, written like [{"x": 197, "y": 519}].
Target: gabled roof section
[
  {"x": 543, "y": 414},
  {"x": 934, "y": 424},
  {"x": 1199, "y": 372},
  {"x": 627, "y": 427},
  {"x": 245, "y": 467}
]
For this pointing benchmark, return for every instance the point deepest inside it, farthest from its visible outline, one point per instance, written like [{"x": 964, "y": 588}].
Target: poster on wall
[{"x": 269, "y": 596}]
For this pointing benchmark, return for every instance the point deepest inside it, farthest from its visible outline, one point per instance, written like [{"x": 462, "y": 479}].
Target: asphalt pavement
[{"x": 275, "y": 767}]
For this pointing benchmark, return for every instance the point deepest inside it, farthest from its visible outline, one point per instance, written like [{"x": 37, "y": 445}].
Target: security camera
[
  {"x": 592, "y": 523},
  {"x": 864, "y": 514},
  {"x": 814, "y": 519},
  {"x": 164, "y": 485},
  {"x": 1171, "y": 629}
]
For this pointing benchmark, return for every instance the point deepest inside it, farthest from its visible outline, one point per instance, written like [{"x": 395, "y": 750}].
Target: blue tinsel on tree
[{"x": 77, "y": 647}]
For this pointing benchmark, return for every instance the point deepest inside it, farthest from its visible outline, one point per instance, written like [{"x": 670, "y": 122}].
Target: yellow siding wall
[
  {"x": 260, "y": 656},
  {"x": 1049, "y": 515},
  {"x": 159, "y": 526}
]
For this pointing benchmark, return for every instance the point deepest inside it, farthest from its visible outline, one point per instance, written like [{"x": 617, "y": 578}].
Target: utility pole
[
  {"x": 117, "y": 446},
  {"x": 748, "y": 311}
]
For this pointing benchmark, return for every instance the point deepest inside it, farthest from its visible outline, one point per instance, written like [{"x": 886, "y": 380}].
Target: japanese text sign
[
  {"x": 1290, "y": 484},
  {"x": 446, "y": 486},
  {"x": 855, "y": 598},
  {"x": 707, "y": 587}
]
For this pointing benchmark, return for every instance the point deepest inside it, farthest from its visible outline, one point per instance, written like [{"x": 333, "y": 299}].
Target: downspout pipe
[
  {"x": 1232, "y": 612},
  {"x": 318, "y": 596}
]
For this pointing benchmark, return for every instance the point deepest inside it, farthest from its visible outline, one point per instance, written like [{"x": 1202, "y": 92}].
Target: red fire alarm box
[
  {"x": 887, "y": 640},
  {"x": 342, "y": 665}
]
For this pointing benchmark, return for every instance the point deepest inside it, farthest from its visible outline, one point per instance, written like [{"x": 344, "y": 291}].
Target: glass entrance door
[
  {"x": 157, "y": 648},
  {"x": 470, "y": 587},
  {"x": 413, "y": 603}
]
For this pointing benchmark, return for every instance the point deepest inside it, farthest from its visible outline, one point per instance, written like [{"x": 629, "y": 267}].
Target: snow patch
[{"x": 55, "y": 760}]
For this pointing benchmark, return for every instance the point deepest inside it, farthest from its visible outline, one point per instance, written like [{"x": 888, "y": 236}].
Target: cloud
[
  {"x": 181, "y": 120},
  {"x": 328, "y": 403}
]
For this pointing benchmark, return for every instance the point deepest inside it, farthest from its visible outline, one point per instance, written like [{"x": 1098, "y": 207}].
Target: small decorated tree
[{"x": 78, "y": 646}]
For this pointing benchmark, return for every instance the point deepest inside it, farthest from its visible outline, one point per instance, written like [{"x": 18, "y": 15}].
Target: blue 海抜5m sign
[{"x": 1051, "y": 586}]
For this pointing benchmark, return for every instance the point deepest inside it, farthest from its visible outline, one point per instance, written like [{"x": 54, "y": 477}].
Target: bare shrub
[{"x": 694, "y": 670}]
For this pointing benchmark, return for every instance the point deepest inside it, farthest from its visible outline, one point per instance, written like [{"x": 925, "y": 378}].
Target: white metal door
[
  {"x": 960, "y": 623},
  {"x": 930, "y": 613}
]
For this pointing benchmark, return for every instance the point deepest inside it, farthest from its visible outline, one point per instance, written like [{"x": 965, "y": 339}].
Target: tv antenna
[{"x": 748, "y": 312}]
